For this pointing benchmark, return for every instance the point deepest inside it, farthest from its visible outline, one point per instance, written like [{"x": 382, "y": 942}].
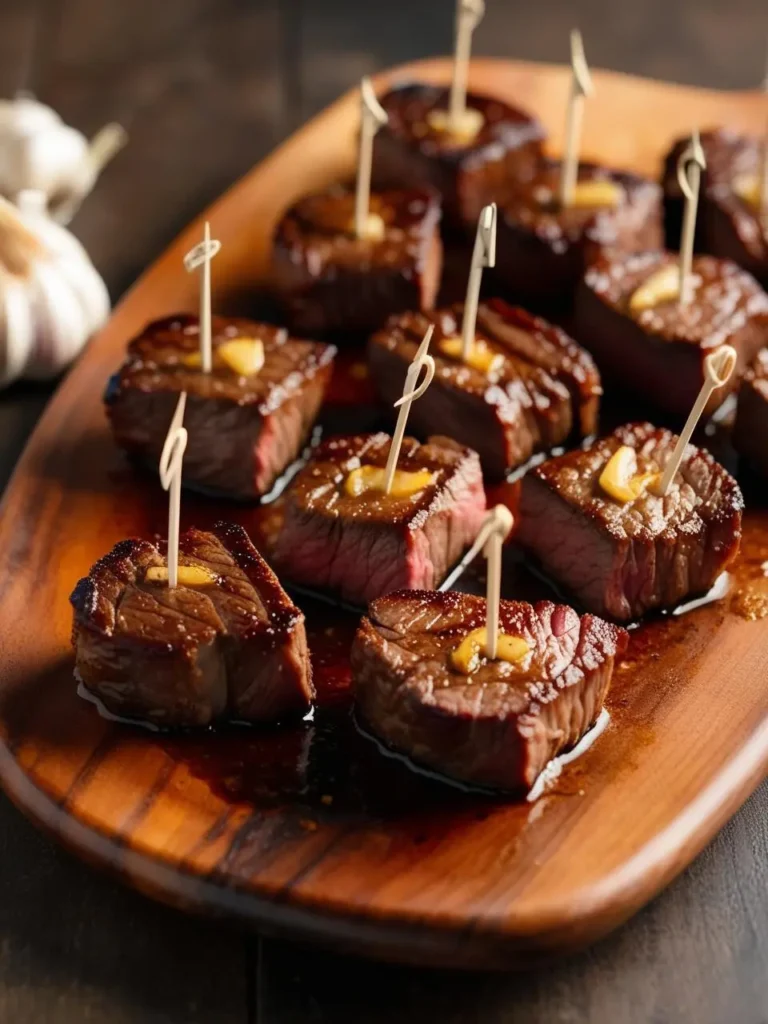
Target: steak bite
[
  {"x": 543, "y": 249},
  {"x": 329, "y": 280},
  {"x": 361, "y": 545},
  {"x": 228, "y": 643},
  {"x": 500, "y": 725},
  {"x": 244, "y": 427},
  {"x": 750, "y": 432},
  {"x": 659, "y": 351},
  {"x": 621, "y": 558},
  {"x": 531, "y": 388},
  {"x": 726, "y": 224},
  {"x": 415, "y": 149}
]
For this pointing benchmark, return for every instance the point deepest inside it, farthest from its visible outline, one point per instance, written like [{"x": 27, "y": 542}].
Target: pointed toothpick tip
[{"x": 579, "y": 64}]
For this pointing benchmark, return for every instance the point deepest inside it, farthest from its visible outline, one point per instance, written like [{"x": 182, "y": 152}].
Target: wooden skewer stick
[
  {"x": 483, "y": 255},
  {"x": 490, "y": 538},
  {"x": 469, "y": 14},
  {"x": 501, "y": 525},
  {"x": 410, "y": 393},
  {"x": 170, "y": 476},
  {"x": 718, "y": 367},
  {"x": 690, "y": 164},
  {"x": 372, "y": 117},
  {"x": 581, "y": 87},
  {"x": 201, "y": 255}
]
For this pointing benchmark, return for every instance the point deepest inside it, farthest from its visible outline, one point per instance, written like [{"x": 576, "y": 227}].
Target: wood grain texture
[{"x": 435, "y": 886}]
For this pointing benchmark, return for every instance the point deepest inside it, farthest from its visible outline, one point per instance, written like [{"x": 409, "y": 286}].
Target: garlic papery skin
[
  {"x": 40, "y": 153},
  {"x": 52, "y": 299}
]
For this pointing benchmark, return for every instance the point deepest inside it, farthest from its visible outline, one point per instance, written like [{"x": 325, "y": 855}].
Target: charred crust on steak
[
  {"x": 358, "y": 547},
  {"x": 409, "y": 105},
  {"x": 155, "y": 361},
  {"x": 623, "y": 559},
  {"x": 728, "y": 155},
  {"x": 750, "y": 431},
  {"x": 265, "y": 417},
  {"x": 330, "y": 280},
  {"x": 545, "y": 389},
  {"x": 724, "y": 298},
  {"x": 409, "y": 151},
  {"x": 333, "y": 460},
  {"x": 187, "y": 656},
  {"x": 659, "y": 352},
  {"x": 543, "y": 249},
  {"x": 501, "y": 725}
]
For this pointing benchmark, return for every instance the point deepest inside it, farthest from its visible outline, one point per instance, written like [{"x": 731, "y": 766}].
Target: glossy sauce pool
[{"x": 325, "y": 765}]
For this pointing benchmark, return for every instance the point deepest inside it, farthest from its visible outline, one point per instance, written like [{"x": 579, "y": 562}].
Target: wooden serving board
[{"x": 310, "y": 830}]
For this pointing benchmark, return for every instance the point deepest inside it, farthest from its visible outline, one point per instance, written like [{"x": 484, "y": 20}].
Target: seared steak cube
[
  {"x": 244, "y": 430},
  {"x": 328, "y": 280},
  {"x": 500, "y": 725},
  {"x": 750, "y": 432},
  {"x": 410, "y": 150},
  {"x": 361, "y": 546},
  {"x": 543, "y": 249},
  {"x": 726, "y": 226},
  {"x": 659, "y": 352},
  {"x": 538, "y": 389},
  {"x": 227, "y": 644},
  {"x": 619, "y": 559}
]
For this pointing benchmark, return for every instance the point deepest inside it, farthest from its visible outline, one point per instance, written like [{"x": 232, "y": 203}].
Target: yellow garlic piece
[
  {"x": 189, "y": 575},
  {"x": 243, "y": 355},
  {"x": 596, "y": 193},
  {"x": 466, "y": 657},
  {"x": 465, "y": 129},
  {"x": 374, "y": 228},
  {"x": 620, "y": 479},
  {"x": 660, "y": 287},
  {"x": 747, "y": 187},
  {"x": 371, "y": 478},
  {"x": 480, "y": 356}
]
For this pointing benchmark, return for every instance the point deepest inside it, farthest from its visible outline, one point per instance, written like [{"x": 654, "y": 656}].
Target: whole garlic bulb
[
  {"x": 52, "y": 298},
  {"x": 39, "y": 152}
]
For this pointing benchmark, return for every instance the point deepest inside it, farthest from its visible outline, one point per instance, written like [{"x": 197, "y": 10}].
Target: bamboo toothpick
[
  {"x": 201, "y": 255},
  {"x": 690, "y": 164},
  {"x": 718, "y": 367},
  {"x": 410, "y": 394},
  {"x": 490, "y": 538},
  {"x": 170, "y": 476},
  {"x": 372, "y": 117},
  {"x": 501, "y": 524},
  {"x": 483, "y": 255},
  {"x": 469, "y": 14},
  {"x": 581, "y": 87}
]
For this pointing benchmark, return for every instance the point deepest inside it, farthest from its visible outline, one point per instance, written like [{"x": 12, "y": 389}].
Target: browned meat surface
[
  {"x": 543, "y": 390},
  {"x": 410, "y": 152},
  {"x": 330, "y": 281},
  {"x": 659, "y": 353},
  {"x": 500, "y": 725},
  {"x": 619, "y": 559},
  {"x": 364, "y": 546},
  {"x": 725, "y": 227},
  {"x": 543, "y": 250},
  {"x": 243, "y": 431},
  {"x": 750, "y": 432},
  {"x": 189, "y": 656}
]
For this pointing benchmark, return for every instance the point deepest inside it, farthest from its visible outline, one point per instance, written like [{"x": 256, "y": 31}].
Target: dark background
[{"x": 205, "y": 88}]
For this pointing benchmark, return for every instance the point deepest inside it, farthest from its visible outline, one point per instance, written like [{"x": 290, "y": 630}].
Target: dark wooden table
[{"x": 205, "y": 88}]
